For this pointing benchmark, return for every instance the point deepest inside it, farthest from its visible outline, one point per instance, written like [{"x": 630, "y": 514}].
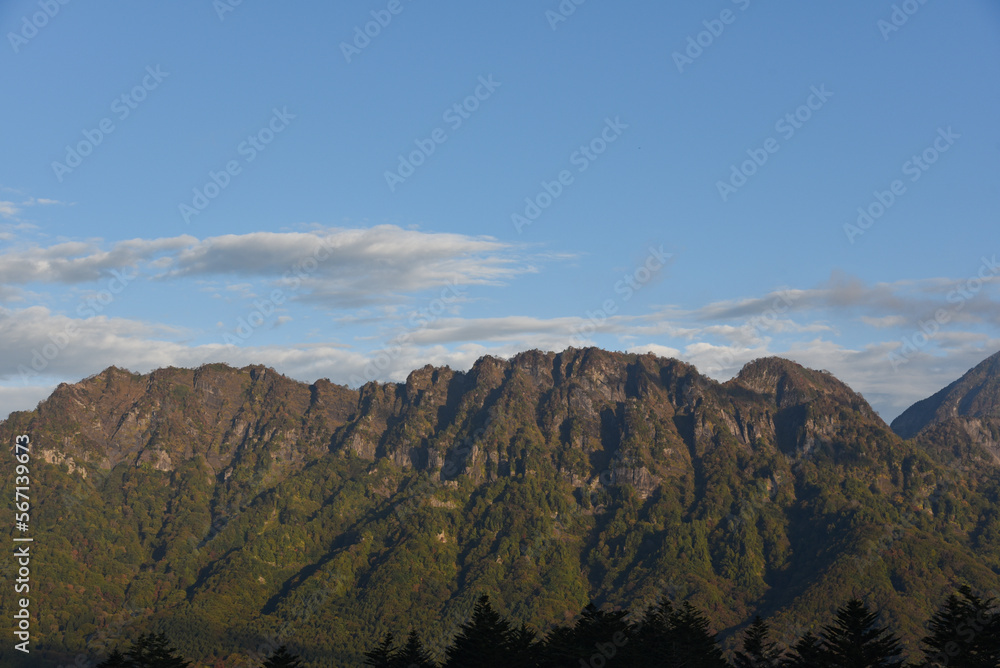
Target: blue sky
[{"x": 265, "y": 183}]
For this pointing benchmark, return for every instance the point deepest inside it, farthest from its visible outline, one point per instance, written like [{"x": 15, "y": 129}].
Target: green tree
[
  {"x": 115, "y": 660},
  {"x": 153, "y": 650},
  {"x": 759, "y": 651},
  {"x": 596, "y": 636},
  {"x": 668, "y": 637},
  {"x": 855, "y": 640},
  {"x": 282, "y": 658},
  {"x": 482, "y": 641},
  {"x": 381, "y": 656},
  {"x": 963, "y": 632},
  {"x": 808, "y": 652},
  {"x": 523, "y": 647},
  {"x": 413, "y": 654}
]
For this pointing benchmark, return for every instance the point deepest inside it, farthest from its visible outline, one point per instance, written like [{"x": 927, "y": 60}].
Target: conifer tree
[
  {"x": 381, "y": 656},
  {"x": 524, "y": 648},
  {"x": 808, "y": 652},
  {"x": 282, "y": 658},
  {"x": 481, "y": 642},
  {"x": 759, "y": 651},
  {"x": 693, "y": 644},
  {"x": 558, "y": 647},
  {"x": 598, "y": 636},
  {"x": 669, "y": 637},
  {"x": 153, "y": 650},
  {"x": 413, "y": 654},
  {"x": 115, "y": 660},
  {"x": 964, "y": 632},
  {"x": 855, "y": 640}
]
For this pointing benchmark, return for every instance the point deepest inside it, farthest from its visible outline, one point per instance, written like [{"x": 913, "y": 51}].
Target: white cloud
[
  {"x": 375, "y": 273},
  {"x": 334, "y": 267},
  {"x": 9, "y": 209},
  {"x": 79, "y": 262},
  {"x": 354, "y": 267},
  {"x": 508, "y": 328},
  {"x": 656, "y": 349},
  {"x": 885, "y": 321}
]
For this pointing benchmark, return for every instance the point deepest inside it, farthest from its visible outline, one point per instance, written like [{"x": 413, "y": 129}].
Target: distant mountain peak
[
  {"x": 790, "y": 382},
  {"x": 976, "y": 395}
]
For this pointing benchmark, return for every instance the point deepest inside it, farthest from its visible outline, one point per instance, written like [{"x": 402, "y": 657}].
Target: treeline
[
  {"x": 153, "y": 650},
  {"x": 963, "y": 633}
]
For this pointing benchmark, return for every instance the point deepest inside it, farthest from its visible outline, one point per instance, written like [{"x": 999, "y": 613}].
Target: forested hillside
[{"x": 236, "y": 508}]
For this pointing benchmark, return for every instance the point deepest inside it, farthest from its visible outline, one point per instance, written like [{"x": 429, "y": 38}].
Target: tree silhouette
[
  {"x": 524, "y": 647},
  {"x": 115, "y": 660},
  {"x": 381, "y": 656},
  {"x": 964, "y": 632},
  {"x": 759, "y": 651},
  {"x": 482, "y": 641},
  {"x": 558, "y": 647},
  {"x": 153, "y": 650},
  {"x": 671, "y": 637},
  {"x": 598, "y": 636},
  {"x": 855, "y": 640},
  {"x": 413, "y": 654},
  {"x": 808, "y": 652},
  {"x": 282, "y": 658}
]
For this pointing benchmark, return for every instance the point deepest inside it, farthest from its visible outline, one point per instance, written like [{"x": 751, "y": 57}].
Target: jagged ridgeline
[{"x": 236, "y": 509}]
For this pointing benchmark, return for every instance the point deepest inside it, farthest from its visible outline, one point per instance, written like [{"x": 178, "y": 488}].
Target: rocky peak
[{"x": 974, "y": 396}]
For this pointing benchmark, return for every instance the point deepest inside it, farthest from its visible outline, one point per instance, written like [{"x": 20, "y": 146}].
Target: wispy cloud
[
  {"x": 369, "y": 273},
  {"x": 10, "y": 210},
  {"x": 332, "y": 267},
  {"x": 80, "y": 262}
]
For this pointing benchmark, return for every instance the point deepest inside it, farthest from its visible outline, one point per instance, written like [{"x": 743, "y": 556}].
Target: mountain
[
  {"x": 237, "y": 508},
  {"x": 971, "y": 405}
]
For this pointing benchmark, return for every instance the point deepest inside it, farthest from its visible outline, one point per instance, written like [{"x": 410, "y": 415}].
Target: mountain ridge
[
  {"x": 975, "y": 395},
  {"x": 548, "y": 480}
]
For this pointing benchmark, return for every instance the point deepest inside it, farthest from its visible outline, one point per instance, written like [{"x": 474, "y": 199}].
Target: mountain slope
[
  {"x": 235, "y": 507},
  {"x": 976, "y": 395},
  {"x": 962, "y": 421}
]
